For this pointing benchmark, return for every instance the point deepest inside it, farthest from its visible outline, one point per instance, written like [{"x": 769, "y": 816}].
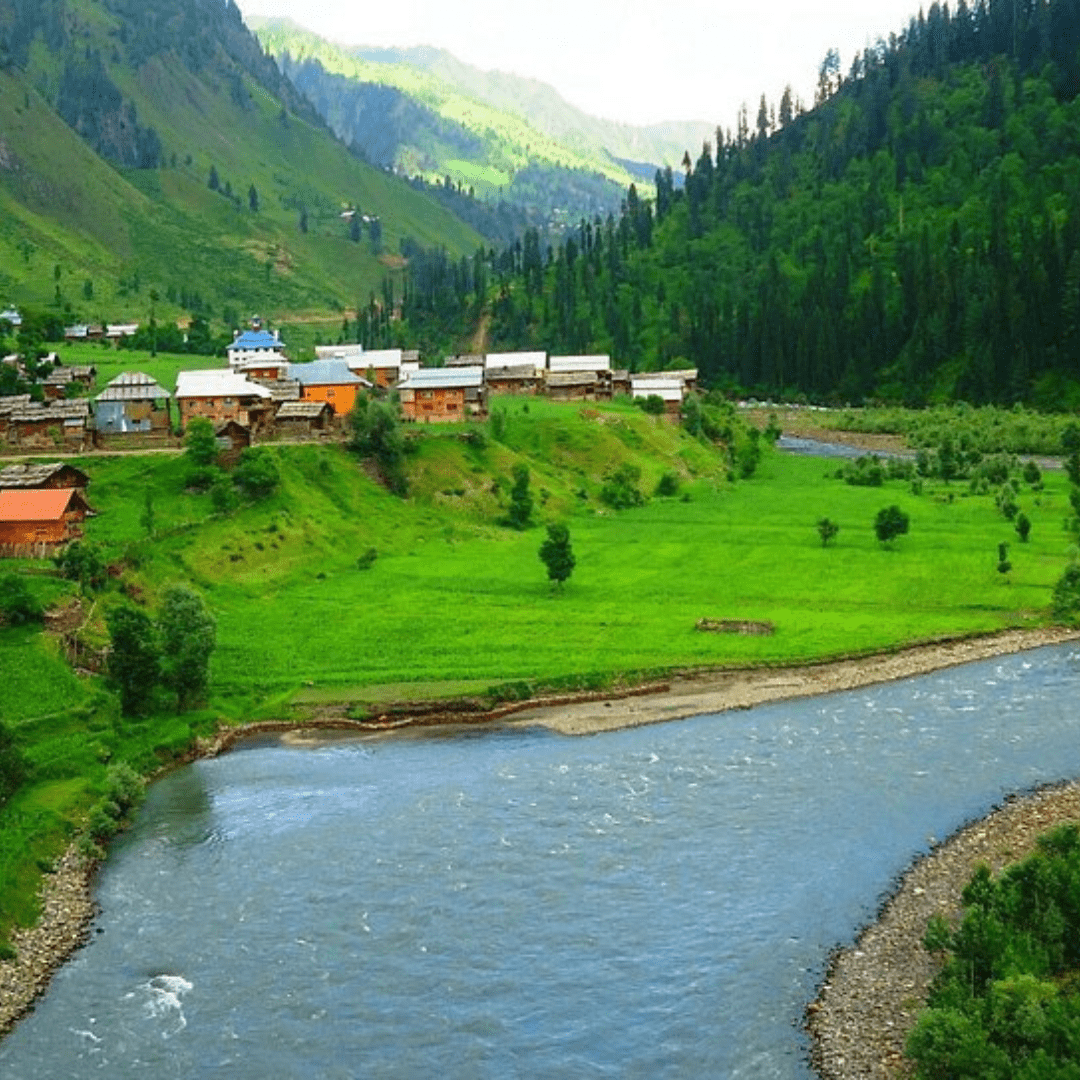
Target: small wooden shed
[{"x": 54, "y": 474}]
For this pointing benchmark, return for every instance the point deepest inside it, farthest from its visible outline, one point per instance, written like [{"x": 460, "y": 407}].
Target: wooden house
[
  {"x": 670, "y": 388},
  {"x": 431, "y": 395},
  {"x": 232, "y": 436},
  {"x": 47, "y": 475},
  {"x": 572, "y": 385},
  {"x": 330, "y": 381},
  {"x": 381, "y": 367},
  {"x": 301, "y": 418},
  {"x": 37, "y": 520},
  {"x": 133, "y": 402},
  {"x": 220, "y": 395},
  {"x": 49, "y": 426},
  {"x": 514, "y": 372}
]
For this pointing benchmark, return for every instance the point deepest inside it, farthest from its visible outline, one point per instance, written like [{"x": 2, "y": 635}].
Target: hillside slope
[
  {"x": 154, "y": 146},
  {"x": 423, "y": 112}
]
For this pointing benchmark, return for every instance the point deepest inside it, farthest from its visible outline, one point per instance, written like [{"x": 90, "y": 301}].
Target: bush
[
  {"x": 84, "y": 563},
  {"x": 890, "y": 523},
  {"x": 667, "y": 485},
  {"x": 12, "y": 766},
  {"x": 1065, "y": 601},
  {"x": 257, "y": 473},
  {"x": 17, "y": 603},
  {"x": 620, "y": 490}
]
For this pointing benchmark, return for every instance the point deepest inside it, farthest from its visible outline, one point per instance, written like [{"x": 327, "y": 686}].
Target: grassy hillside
[
  {"x": 455, "y": 602},
  {"x": 94, "y": 234},
  {"x": 427, "y": 114}
]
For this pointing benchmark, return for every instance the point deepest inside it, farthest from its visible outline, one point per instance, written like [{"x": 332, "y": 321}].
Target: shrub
[
  {"x": 890, "y": 523},
  {"x": 17, "y": 603},
  {"x": 668, "y": 485},
  {"x": 620, "y": 490},
  {"x": 1065, "y": 601},
  {"x": 257, "y": 473}
]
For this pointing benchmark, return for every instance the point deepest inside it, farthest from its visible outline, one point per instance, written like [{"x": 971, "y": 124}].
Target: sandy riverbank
[{"x": 849, "y": 1012}]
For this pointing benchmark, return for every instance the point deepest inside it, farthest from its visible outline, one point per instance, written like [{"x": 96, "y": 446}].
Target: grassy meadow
[{"x": 457, "y": 603}]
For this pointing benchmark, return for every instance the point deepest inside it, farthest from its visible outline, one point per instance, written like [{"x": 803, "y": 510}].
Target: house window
[
  {"x": 427, "y": 395},
  {"x": 228, "y": 401},
  {"x": 329, "y": 395}
]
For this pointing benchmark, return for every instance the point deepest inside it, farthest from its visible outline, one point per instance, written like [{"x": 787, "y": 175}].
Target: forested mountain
[
  {"x": 154, "y": 159},
  {"x": 424, "y": 113},
  {"x": 915, "y": 236}
]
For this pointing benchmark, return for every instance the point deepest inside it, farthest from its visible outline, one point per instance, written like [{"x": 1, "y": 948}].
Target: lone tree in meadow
[
  {"x": 557, "y": 555},
  {"x": 890, "y": 523},
  {"x": 827, "y": 530}
]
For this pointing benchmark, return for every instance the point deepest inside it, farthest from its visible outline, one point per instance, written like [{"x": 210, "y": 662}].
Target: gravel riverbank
[{"x": 873, "y": 991}]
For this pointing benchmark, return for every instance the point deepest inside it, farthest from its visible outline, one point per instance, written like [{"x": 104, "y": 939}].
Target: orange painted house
[
  {"x": 41, "y": 515},
  {"x": 330, "y": 381}
]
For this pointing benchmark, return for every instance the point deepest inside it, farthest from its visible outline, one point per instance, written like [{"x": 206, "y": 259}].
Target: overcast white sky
[{"x": 638, "y": 61}]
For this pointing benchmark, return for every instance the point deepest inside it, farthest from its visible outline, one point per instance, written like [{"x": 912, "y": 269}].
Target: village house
[
  {"x": 115, "y": 331},
  {"x": 269, "y": 367},
  {"x": 133, "y": 402},
  {"x": 381, "y": 367},
  {"x": 11, "y": 316},
  {"x": 232, "y": 435},
  {"x": 35, "y": 521},
  {"x": 297, "y": 419},
  {"x": 219, "y": 395},
  {"x": 49, "y": 425},
  {"x": 668, "y": 386},
  {"x": 330, "y": 381},
  {"x": 63, "y": 381},
  {"x": 254, "y": 344},
  {"x": 514, "y": 372},
  {"x": 46, "y": 475},
  {"x": 572, "y": 385},
  {"x": 441, "y": 394},
  {"x": 348, "y": 352}
]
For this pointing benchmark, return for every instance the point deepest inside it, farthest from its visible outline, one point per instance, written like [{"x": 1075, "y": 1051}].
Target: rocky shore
[
  {"x": 859, "y": 1021},
  {"x": 873, "y": 991},
  {"x": 67, "y": 908}
]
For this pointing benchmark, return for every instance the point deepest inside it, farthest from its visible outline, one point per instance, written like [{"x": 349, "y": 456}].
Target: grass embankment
[{"x": 455, "y": 603}]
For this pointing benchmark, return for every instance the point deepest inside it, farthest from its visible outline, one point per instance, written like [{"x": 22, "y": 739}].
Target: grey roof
[
  {"x": 13, "y": 403},
  {"x": 571, "y": 378},
  {"x": 75, "y": 409},
  {"x": 133, "y": 386},
  {"x": 522, "y": 371},
  {"x": 325, "y": 373},
  {"x": 31, "y": 476},
  {"x": 443, "y": 378},
  {"x": 302, "y": 410}
]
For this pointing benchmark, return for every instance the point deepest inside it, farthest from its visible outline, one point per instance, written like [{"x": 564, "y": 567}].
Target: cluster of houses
[{"x": 261, "y": 395}]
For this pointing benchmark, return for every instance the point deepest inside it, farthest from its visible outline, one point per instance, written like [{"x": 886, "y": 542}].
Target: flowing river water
[{"x": 648, "y": 903}]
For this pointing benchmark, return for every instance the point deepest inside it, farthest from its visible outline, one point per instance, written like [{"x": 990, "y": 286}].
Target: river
[{"x": 648, "y": 903}]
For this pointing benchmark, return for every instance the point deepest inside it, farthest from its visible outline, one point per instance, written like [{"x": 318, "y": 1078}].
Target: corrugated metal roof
[
  {"x": 516, "y": 359},
  {"x": 325, "y": 373},
  {"x": 38, "y": 504},
  {"x": 599, "y": 362},
  {"x": 217, "y": 382},
  {"x": 255, "y": 339},
  {"x": 443, "y": 378},
  {"x": 133, "y": 386}
]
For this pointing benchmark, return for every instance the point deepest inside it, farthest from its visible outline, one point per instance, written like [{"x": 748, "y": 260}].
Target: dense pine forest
[{"x": 912, "y": 237}]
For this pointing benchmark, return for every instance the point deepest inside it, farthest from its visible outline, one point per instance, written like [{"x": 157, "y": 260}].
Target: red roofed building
[{"x": 41, "y": 516}]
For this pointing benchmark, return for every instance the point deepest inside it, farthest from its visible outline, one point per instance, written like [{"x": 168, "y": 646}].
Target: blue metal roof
[
  {"x": 325, "y": 373},
  {"x": 256, "y": 339}
]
